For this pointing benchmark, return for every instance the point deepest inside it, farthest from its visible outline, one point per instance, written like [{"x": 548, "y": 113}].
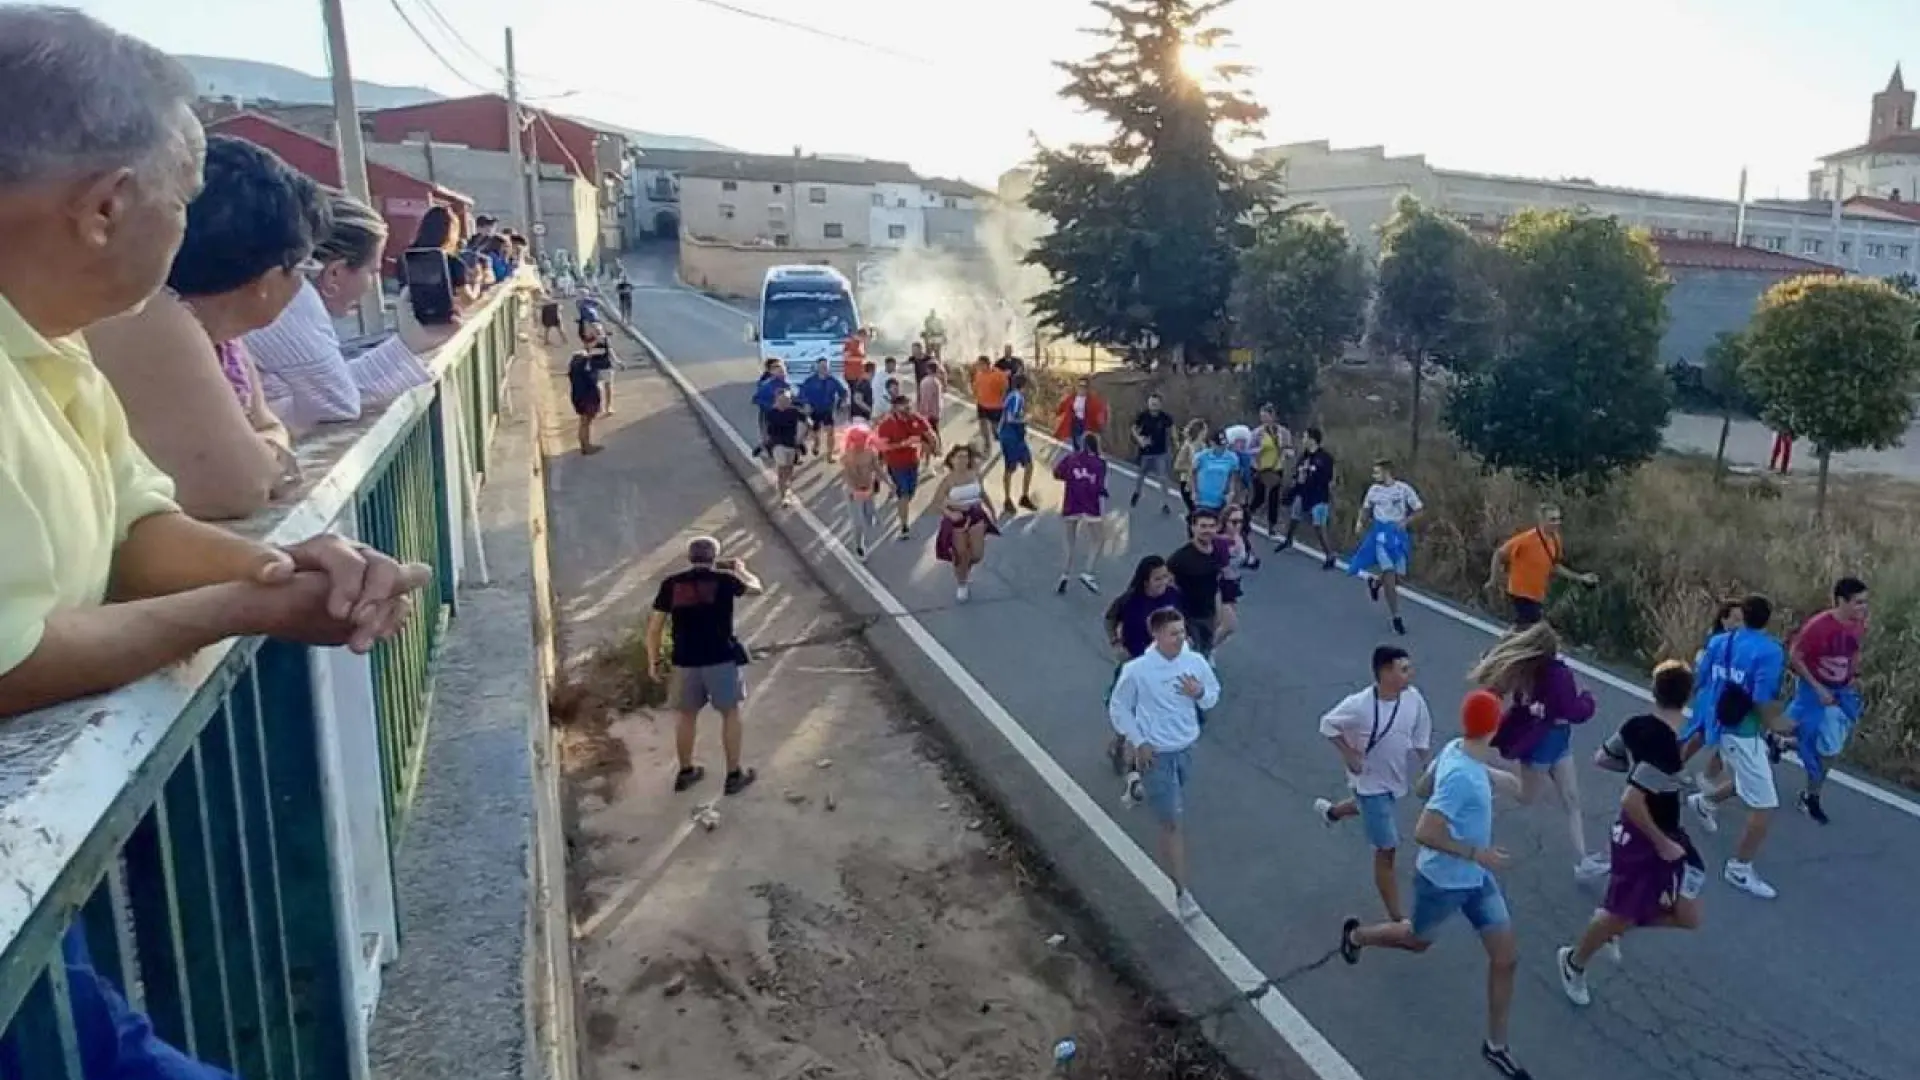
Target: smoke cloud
[{"x": 983, "y": 294}]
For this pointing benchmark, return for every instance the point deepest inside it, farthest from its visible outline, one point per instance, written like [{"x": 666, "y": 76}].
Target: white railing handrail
[{"x": 63, "y": 769}]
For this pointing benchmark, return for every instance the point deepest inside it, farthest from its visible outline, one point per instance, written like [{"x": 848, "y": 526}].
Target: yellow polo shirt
[{"x": 72, "y": 482}]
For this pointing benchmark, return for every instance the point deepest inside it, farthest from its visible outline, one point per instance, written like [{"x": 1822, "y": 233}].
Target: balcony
[{"x": 231, "y": 838}]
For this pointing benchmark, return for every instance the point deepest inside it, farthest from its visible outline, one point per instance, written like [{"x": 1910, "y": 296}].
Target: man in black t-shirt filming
[
  {"x": 707, "y": 657},
  {"x": 1310, "y": 498}
]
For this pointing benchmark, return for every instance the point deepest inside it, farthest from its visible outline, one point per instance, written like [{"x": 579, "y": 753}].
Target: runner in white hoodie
[{"x": 1155, "y": 708}]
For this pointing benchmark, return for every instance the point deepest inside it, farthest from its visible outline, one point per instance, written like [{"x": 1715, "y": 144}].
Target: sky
[{"x": 1671, "y": 95}]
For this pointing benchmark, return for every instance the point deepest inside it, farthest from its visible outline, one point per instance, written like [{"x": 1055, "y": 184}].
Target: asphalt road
[{"x": 1818, "y": 983}]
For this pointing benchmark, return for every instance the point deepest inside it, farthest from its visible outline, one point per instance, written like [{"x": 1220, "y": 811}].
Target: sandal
[
  {"x": 739, "y": 780},
  {"x": 688, "y": 777}
]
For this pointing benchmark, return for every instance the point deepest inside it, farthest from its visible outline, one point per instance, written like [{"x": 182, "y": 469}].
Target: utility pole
[
  {"x": 526, "y": 186},
  {"x": 352, "y": 151}
]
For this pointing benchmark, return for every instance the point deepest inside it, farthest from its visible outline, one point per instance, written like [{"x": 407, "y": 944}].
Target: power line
[
  {"x": 437, "y": 55},
  {"x": 830, "y": 35},
  {"x": 433, "y": 12}
]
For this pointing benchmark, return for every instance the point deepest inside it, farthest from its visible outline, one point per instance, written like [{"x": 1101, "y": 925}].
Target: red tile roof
[
  {"x": 1902, "y": 142},
  {"x": 1714, "y": 255},
  {"x": 1896, "y": 207}
]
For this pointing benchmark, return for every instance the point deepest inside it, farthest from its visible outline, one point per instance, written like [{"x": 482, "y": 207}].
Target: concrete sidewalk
[{"x": 856, "y": 913}]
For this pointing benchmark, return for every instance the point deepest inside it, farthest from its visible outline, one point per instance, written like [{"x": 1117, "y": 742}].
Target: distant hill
[
  {"x": 221, "y": 76},
  {"x": 250, "y": 80}
]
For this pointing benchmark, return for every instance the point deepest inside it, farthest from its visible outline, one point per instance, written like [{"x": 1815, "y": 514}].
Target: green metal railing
[
  {"x": 206, "y": 896},
  {"x": 182, "y": 831}
]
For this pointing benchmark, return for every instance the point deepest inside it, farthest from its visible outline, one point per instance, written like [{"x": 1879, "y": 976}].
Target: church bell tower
[{"x": 1892, "y": 109}]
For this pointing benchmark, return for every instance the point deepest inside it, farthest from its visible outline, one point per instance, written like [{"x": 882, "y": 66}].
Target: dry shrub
[{"x": 1668, "y": 541}]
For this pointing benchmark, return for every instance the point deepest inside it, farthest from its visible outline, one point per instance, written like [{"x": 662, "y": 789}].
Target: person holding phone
[{"x": 1383, "y": 735}]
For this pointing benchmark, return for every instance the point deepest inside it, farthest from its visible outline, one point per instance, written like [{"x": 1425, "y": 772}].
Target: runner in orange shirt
[
  {"x": 989, "y": 397},
  {"x": 1530, "y": 559},
  {"x": 853, "y": 354}
]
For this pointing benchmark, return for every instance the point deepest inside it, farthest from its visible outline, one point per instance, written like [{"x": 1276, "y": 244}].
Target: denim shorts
[
  {"x": 1164, "y": 784},
  {"x": 1316, "y": 513},
  {"x": 1555, "y": 745},
  {"x": 1376, "y": 814},
  {"x": 1484, "y": 906}
]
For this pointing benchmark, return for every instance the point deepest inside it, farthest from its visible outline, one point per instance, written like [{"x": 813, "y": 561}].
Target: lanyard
[
  {"x": 1378, "y": 732},
  {"x": 1552, "y": 547}
]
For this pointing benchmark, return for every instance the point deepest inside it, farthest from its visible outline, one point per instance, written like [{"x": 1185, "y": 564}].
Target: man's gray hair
[{"x": 81, "y": 96}]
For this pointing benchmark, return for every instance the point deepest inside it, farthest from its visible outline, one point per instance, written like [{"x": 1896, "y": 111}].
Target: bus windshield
[{"x": 815, "y": 313}]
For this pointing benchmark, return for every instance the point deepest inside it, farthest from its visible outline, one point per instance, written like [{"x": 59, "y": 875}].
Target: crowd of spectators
[{"x": 166, "y": 341}]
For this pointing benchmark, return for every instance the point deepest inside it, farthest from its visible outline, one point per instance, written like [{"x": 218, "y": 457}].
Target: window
[
  {"x": 817, "y": 195},
  {"x": 1810, "y": 246},
  {"x": 950, "y": 203},
  {"x": 1667, "y": 234},
  {"x": 879, "y": 199},
  {"x": 1846, "y": 247},
  {"x": 1900, "y": 251},
  {"x": 900, "y": 202},
  {"x": 776, "y": 189},
  {"x": 1699, "y": 234},
  {"x": 1773, "y": 243},
  {"x": 832, "y": 230},
  {"x": 1876, "y": 251},
  {"x": 728, "y": 185},
  {"x": 896, "y": 232},
  {"x": 726, "y": 210},
  {"x": 780, "y": 240}
]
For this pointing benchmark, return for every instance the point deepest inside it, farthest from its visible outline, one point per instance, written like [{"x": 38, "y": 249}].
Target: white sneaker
[
  {"x": 1323, "y": 809},
  {"x": 1186, "y": 905},
  {"x": 1592, "y": 868},
  {"x": 962, "y": 593},
  {"x": 1612, "y": 951},
  {"x": 1092, "y": 585},
  {"x": 1572, "y": 981},
  {"x": 1708, "y": 813},
  {"x": 1747, "y": 880}
]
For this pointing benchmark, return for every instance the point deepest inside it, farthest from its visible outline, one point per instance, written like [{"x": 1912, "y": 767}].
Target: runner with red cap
[{"x": 1454, "y": 871}]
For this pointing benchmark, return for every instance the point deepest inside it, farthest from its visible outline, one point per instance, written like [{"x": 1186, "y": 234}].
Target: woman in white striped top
[{"x": 307, "y": 379}]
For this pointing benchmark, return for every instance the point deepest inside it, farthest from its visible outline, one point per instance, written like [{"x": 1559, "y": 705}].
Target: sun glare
[{"x": 1198, "y": 63}]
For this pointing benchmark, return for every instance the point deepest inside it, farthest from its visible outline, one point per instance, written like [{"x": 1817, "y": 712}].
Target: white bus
[{"x": 806, "y": 315}]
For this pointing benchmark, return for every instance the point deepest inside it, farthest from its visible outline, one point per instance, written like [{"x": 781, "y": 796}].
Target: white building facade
[
  {"x": 1887, "y": 165},
  {"x": 1360, "y": 186}
]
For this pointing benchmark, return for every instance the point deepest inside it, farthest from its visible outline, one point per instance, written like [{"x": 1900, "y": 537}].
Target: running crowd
[{"x": 1714, "y": 732}]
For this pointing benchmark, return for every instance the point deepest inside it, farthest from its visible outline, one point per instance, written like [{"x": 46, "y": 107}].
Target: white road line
[
  {"x": 1314, "y": 1049},
  {"x": 1890, "y": 799}
]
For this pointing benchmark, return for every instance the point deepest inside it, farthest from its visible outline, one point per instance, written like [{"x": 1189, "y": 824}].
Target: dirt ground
[{"x": 856, "y": 914}]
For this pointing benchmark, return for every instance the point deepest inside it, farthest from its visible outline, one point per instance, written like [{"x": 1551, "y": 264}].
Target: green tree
[
  {"x": 1726, "y": 389},
  {"x": 1833, "y": 360},
  {"x": 1300, "y": 299},
  {"x": 1436, "y": 302},
  {"x": 1906, "y": 284},
  {"x": 1147, "y": 225},
  {"x": 1576, "y": 394}
]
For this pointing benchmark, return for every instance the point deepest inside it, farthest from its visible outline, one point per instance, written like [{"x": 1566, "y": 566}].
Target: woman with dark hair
[
  {"x": 193, "y": 397},
  {"x": 307, "y": 378},
  {"x": 965, "y": 518},
  {"x": 1150, "y": 590},
  {"x": 439, "y": 229}
]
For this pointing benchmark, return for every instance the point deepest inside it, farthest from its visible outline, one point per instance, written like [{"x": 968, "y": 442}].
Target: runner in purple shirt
[{"x": 1084, "y": 476}]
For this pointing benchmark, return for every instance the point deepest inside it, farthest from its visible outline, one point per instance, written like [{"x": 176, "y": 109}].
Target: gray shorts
[
  {"x": 1160, "y": 465},
  {"x": 718, "y": 685}
]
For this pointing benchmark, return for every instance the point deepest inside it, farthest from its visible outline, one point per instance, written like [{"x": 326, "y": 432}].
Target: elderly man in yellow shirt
[{"x": 102, "y": 579}]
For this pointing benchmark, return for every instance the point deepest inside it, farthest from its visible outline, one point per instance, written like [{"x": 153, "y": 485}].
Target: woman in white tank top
[{"x": 966, "y": 519}]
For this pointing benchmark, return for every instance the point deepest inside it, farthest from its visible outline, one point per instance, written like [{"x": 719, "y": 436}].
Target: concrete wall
[
  {"x": 896, "y": 206},
  {"x": 824, "y": 205},
  {"x": 569, "y": 203},
  {"x": 733, "y": 270},
  {"x": 1704, "y": 303},
  {"x": 736, "y": 211}
]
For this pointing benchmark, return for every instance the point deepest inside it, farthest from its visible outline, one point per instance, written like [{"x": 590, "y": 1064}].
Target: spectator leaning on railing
[
  {"x": 193, "y": 398},
  {"x": 95, "y": 178},
  {"x": 308, "y": 380}
]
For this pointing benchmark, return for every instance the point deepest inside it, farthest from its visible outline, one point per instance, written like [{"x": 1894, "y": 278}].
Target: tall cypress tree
[{"x": 1149, "y": 223}]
